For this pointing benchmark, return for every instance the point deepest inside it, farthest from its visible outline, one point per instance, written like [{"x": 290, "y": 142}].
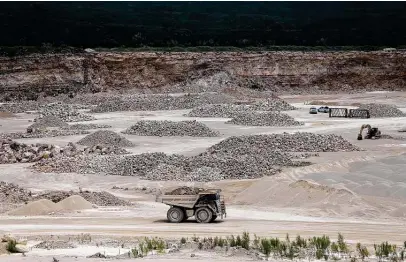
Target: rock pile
[
  {"x": 55, "y": 244},
  {"x": 102, "y": 198},
  {"x": 46, "y": 122},
  {"x": 87, "y": 126},
  {"x": 273, "y": 104},
  {"x": 218, "y": 110},
  {"x": 65, "y": 112},
  {"x": 297, "y": 142},
  {"x": 11, "y": 193},
  {"x": 105, "y": 138},
  {"x": 14, "y": 152},
  {"x": 170, "y": 128},
  {"x": 184, "y": 190},
  {"x": 20, "y": 107},
  {"x": 159, "y": 102},
  {"x": 382, "y": 110},
  {"x": 264, "y": 119}
]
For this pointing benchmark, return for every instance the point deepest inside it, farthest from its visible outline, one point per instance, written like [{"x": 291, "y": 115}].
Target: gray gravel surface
[
  {"x": 65, "y": 112},
  {"x": 55, "y": 244},
  {"x": 382, "y": 110},
  {"x": 43, "y": 133},
  {"x": 20, "y": 107},
  {"x": 170, "y": 128},
  {"x": 159, "y": 102},
  {"x": 105, "y": 138},
  {"x": 264, "y": 119}
]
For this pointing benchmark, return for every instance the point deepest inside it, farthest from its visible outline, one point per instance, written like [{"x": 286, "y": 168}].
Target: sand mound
[
  {"x": 45, "y": 206},
  {"x": 36, "y": 208},
  {"x": 74, "y": 202},
  {"x": 105, "y": 138}
]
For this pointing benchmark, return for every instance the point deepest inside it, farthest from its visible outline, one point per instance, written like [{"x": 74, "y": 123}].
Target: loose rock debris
[
  {"x": 264, "y": 119},
  {"x": 218, "y": 110},
  {"x": 240, "y": 157},
  {"x": 43, "y": 133},
  {"x": 170, "y": 128},
  {"x": 65, "y": 112},
  {"x": 105, "y": 138},
  {"x": 159, "y": 102}
]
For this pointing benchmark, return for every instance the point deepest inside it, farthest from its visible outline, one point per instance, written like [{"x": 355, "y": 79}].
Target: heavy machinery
[
  {"x": 206, "y": 206},
  {"x": 372, "y": 132}
]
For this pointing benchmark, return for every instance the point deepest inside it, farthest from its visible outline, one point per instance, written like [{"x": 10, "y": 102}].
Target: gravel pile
[
  {"x": 273, "y": 104},
  {"x": 12, "y": 193},
  {"x": 55, "y": 244},
  {"x": 297, "y": 142},
  {"x": 160, "y": 102},
  {"x": 264, "y": 119},
  {"x": 65, "y": 112},
  {"x": 382, "y": 110},
  {"x": 184, "y": 190},
  {"x": 105, "y": 138},
  {"x": 43, "y": 133},
  {"x": 218, "y": 110},
  {"x": 87, "y": 126},
  {"x": 170, "y": 128},
  {"x": 98, "y": 198},
  {"x": 46, "y": 122},
  {"x": 19, "y": 107}
]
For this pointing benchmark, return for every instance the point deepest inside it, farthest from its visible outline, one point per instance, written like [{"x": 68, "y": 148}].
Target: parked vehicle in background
[
  {"x": 313, "y": 110},
  {"x": 323, "y": 109}
]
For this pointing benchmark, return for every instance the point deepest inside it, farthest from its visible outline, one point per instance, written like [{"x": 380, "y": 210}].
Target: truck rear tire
[
  {"x": 175, "y": 215},
  {"x": 204, "y": 215}
]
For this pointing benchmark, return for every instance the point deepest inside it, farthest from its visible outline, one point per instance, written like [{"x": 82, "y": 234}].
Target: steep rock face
[{"x": 148, "y": 71}]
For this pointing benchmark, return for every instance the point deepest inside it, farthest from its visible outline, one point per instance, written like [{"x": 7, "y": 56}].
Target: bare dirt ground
[{"x": 360, "y": 194}]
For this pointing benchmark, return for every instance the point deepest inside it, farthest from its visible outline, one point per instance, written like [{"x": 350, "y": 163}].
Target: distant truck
[{"x": 206, "y": 206}]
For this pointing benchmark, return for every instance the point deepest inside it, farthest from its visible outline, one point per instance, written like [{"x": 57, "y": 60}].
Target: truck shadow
[{"x": 189, "y": 221}]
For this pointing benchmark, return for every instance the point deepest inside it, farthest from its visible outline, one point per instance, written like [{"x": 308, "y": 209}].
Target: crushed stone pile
[
  {"x": 65, "y": 112},
  {"x": 105, "y": 138},
  {"x": 297, "y": 142},
  {"x": 170, "y": 128},
  {"x": 87, "y": 126},
  {"x": 12, "y": 193},
  {"x": 184, "y": 190},
  {"x": 273, "y": 104},
  {"x": 382, "y": 110},
  {"x": 160, "y": 102},
  {"x": 241, "y": 157},
  {"x": 102, "y": 198},
  {"x": 55, "y": 244},
  {"x": 48, "y": 121},
  {"x": 218, "y": 110},
  {"x": 43, "y": 133},
  {"x": 20, "y": 107},
  {"x": 264, "y": 119}
]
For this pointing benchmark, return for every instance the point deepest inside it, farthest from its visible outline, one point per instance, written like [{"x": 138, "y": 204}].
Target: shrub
[
  {"x": 11, "y": 246},
  {"x": 341, "y": 244},
  {"x": 362, "y": 251},
  {"x": 183, "y": 240},
  {"x": 266, "y": 247},
  {"x": 245, "y": 241}
]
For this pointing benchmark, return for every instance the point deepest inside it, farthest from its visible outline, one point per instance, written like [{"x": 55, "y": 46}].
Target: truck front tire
[
  {"x": 204, "y": 215},
  {"x": 175, "y": 215}
]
